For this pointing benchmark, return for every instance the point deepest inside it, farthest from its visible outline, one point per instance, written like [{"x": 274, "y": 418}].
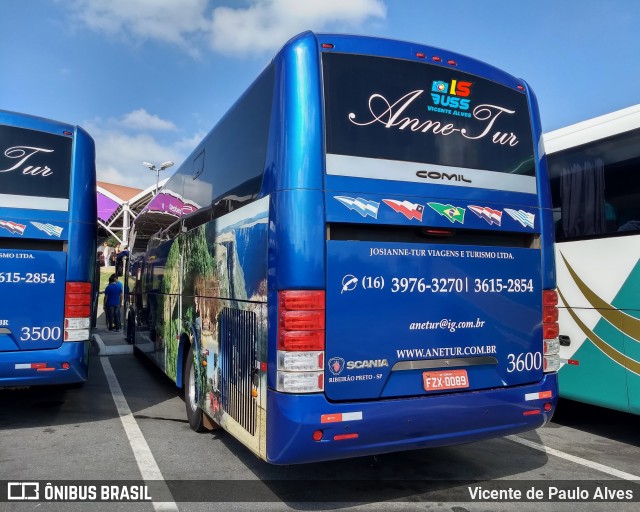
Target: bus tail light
[
  {"x": 77, "y": 311},
  {"x": 301, "y": 341},
  {"x": 550, "y": 331}
]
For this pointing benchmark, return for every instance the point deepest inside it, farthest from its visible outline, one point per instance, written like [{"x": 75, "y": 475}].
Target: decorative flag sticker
[
  {"x": 453, "y": 213},
  {"x": 13, "y": 227},
  {"x": 525, "y": 218},
  {"x": 362, "y": 206},
  {"x": 489, "y": 214},
  {"x": 409, "y": 210},
  {"x": 49, "y": 229}
]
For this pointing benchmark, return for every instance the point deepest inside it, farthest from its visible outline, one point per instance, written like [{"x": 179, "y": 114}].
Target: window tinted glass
[
  {"x": 33, "y": 163},
  {"x": 225, "y": 171},
  {"x": 231, "y": 159},
  {"x": 417, "y": 112},
  {"x": 596, "y": 187}
]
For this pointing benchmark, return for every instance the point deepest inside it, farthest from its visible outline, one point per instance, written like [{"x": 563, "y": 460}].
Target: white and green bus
[{"x": 594, "y": 168}]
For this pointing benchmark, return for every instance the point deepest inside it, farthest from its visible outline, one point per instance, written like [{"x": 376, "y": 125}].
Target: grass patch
[{"x": 105, "y": 273}]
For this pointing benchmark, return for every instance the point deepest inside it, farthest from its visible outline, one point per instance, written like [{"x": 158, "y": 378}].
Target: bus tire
[
  {"x": 194, "y": 413},
  {"x": 131, "y": 328}
]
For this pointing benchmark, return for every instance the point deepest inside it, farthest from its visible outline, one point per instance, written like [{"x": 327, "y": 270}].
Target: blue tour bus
[
  {"x": 47, "y": 250},
  {"x": 358, "y": 258}
]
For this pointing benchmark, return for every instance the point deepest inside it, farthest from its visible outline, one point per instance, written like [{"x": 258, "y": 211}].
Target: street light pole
[{"x": 162, "y": 167}]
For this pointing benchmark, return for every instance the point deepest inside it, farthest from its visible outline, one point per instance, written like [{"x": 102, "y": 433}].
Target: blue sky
[{"x": 149, "y": 78}]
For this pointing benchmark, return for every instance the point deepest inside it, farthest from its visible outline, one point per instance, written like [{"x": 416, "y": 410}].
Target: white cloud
[
  {"x": 263, "y": 25},
  {"x": 267, "y": 24},
  {"x": 171, "y": 21},
  {"x": 141, "y": 120},
  {"x": 119, "y": 155}
]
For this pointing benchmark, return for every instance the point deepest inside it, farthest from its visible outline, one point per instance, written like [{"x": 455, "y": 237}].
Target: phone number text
[
  {"x": 449, "y": 285},
  {"x": 27, "y": 277}
]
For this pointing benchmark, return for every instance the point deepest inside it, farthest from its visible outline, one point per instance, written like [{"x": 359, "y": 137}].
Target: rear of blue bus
[
  {"x": 413, "y": 266},
  {"x": 47, "y": 250}
]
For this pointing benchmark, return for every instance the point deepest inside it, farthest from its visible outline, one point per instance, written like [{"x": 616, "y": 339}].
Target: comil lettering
[
  {"x": 435, "y": 175},
  {"x": 22, "y": 154},
  {"x": 391, "y": 116}
]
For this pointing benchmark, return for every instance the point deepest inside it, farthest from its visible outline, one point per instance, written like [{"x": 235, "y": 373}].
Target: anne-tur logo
[
  {"x": 22, "y": 154},
  {"x": 392, "y": 113}
]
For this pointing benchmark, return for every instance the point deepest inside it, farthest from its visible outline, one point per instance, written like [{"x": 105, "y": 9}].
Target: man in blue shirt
[
  {"x": 120, "y": 260},
  {"x": 112, "y": 301}
]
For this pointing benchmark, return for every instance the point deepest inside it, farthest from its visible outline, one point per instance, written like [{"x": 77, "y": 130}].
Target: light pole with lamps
[{"x": 162, "y": 167}]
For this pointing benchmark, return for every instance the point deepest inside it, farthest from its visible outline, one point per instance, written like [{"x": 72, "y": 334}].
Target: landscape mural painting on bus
[{"x": 374, "y": 290}]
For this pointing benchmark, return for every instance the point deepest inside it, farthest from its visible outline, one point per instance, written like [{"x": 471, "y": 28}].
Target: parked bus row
[{"x": 358, "y": 258}]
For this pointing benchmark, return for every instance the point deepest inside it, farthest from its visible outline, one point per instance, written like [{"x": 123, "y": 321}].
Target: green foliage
[
  {"x": 198, "y": 260},
  {"x": 112, "y": 241},
  {"x": 171, "y": 344},
  {"x": 168, "y": 289}
]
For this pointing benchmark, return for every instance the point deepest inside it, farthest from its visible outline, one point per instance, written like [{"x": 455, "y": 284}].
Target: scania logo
[
  {"x": 435, "y": 175},
  {"x": 336, "y": 365},
  {"x": 370, "y": 363}
]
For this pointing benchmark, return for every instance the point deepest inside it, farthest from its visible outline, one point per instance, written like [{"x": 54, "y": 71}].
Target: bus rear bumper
[
  {"x": 45, "y": 367},
  {"x": 356, "y": 429}
]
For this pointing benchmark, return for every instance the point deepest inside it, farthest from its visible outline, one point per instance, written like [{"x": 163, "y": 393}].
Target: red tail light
[
  {"x": 549, "y": 298},
  {"x": 301, "y": 341},
  {"x": 550, "y": 331},
  {"x": 302, "y": 299},
  {"x": 549, "y": 314},
  {"x": 77, "y": 311},
  {"x": 77, "y": 300},
  {"x": 302, "y": 320},
  {"x": 301, "y": 325}
]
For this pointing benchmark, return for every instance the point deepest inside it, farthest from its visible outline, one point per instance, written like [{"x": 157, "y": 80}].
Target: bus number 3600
[
  {"x": 40, "y": 333},
  {"x": 524, "y": 362}
]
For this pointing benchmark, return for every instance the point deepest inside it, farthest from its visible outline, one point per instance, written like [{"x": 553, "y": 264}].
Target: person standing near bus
[
  {"x": 120, "y": 260},
  {"x": 112, "y": 301}
]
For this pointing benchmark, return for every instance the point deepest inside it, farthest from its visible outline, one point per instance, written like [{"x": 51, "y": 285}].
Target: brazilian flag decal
[{"x": 453, "y": 213}]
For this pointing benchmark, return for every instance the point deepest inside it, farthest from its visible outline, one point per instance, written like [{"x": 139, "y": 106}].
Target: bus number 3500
[{"x": 40, "y": 333}]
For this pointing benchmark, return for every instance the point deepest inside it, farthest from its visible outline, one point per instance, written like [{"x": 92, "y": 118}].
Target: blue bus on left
[{"x": 47, "y": 250}]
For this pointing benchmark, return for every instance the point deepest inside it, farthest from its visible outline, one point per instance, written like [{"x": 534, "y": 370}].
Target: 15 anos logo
[{"x": 452, "y": 95}]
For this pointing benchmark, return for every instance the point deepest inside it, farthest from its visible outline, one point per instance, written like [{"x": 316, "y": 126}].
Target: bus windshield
[{"x": 397, "y": 110}]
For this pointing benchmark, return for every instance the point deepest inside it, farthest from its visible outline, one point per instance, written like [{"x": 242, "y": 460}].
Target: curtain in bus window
[{"x": 582, "y": 199}]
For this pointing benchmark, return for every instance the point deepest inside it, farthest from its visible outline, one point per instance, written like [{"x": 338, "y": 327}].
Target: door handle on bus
[{"x": 565, "y": 341}]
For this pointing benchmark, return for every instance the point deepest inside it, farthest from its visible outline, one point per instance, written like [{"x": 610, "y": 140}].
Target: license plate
[{"x": 447, "y": 379}]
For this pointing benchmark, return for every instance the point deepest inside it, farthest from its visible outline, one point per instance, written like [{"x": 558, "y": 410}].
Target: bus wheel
[
  {"x": 194, "y": 413},
  {"x": 131, "y": 328}
]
